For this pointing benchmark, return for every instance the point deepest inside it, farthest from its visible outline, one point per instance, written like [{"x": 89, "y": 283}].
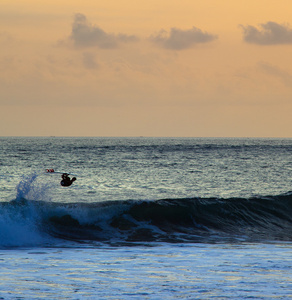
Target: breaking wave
[
  {"x": 193, "y": 220},
  {"x": 40, "y": 221}
]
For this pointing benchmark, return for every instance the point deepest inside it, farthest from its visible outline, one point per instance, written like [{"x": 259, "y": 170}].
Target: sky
[{"x": 163, "y": 68}]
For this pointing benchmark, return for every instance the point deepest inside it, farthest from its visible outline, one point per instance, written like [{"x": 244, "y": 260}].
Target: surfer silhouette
[{"x": 66, "y": 181}]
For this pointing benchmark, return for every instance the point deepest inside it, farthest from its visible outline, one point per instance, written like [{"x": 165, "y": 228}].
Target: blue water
[{"x": 147, "y": 218}]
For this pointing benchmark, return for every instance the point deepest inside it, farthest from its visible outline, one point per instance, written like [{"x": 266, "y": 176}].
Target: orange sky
[{"x": 146, "y": 68}]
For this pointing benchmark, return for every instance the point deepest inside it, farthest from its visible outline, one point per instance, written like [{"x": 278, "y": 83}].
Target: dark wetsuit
[{"x": 66, "y": 181}]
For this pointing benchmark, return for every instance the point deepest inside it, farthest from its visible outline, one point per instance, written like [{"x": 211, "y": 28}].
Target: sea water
[{"x": 147, "y": 218}]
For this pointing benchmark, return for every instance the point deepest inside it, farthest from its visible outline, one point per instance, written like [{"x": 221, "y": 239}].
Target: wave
[
  {"x": 190, "y": 220},
  {"x": 33, "y": 219}
]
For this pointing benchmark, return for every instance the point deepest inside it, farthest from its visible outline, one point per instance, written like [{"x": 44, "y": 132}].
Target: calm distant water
[{"x": 147, "y": 218}]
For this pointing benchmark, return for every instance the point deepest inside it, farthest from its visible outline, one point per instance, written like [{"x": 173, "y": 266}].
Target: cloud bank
[
  {"x": 86, "y": 35},
  {"x": 270, "y": 33},
  {"x": 179, "y": 39}
]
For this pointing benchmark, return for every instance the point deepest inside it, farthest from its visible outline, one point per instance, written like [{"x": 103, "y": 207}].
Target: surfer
[{"x": 66, "y": 181}]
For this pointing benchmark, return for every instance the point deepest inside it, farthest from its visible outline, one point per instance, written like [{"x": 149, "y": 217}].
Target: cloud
[
  {"x": 89, "y": 61},
  {"x": 270, "y": 33},
  {"x": 86, "y": 35},
  {"x": 284, "y": 76},
  {"x": 179, "y": 39}
]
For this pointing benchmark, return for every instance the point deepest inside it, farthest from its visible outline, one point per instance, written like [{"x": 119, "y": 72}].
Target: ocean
[{"x": 147, "y": 218}]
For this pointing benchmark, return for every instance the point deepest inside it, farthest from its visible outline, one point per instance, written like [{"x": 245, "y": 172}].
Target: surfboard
[{"x": 52, "y": 171}]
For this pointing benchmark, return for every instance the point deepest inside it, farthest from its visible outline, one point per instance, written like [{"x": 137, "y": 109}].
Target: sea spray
[
  {"x": 21, "y": 219},
  {"x": 34, "y": 187}
]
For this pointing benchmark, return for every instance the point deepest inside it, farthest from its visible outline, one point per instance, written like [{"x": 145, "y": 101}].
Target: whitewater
[{"x": 147, "y": 218}]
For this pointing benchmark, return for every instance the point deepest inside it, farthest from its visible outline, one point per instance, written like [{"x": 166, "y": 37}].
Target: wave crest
[{"x": 192, "y": 220}]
